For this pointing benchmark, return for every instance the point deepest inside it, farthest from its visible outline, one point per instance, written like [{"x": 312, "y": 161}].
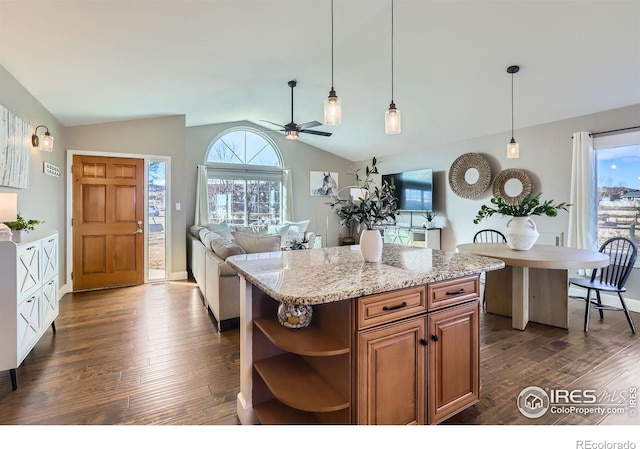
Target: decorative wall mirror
[
  {"x": 470, "y": 175},
  {"x": 512, "y": 184}
]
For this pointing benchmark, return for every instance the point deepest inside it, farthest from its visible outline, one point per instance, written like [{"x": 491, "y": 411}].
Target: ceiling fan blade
[
  {"x": 273, "y": 123},
  {"x": 310, "y": 124},
  {"x": 318, "y": 133}
]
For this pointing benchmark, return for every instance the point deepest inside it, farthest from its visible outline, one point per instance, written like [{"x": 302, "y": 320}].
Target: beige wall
[
  {"x": 299, "y": 157},
  {"x": 44, "y": 199},
  {"x": 164, "y": 136},
  {"x": 545, "y": 153}
]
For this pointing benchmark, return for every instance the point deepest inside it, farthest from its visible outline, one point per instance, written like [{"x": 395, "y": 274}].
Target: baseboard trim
[
  {"x": 63, "y": 290},
  {"x": 178, "y": 276}
]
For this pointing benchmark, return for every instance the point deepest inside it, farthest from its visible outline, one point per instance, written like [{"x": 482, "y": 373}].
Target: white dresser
[{"x": 28, "y": 296}]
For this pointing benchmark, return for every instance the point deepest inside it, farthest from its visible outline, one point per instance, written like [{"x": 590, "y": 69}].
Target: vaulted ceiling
[{"x": 224, "y": 61}]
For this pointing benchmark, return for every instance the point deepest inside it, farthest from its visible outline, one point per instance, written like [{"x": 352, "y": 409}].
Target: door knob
[{"x": 139, "y": 230}]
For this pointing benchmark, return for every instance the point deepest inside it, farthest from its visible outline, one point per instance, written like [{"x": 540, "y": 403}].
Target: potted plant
[
  {"x": 429, "y": 216},
  {"x": 374, "y": 206},
  {"x": 21, "y": 227},
  {"x": 521, "y": 230}
]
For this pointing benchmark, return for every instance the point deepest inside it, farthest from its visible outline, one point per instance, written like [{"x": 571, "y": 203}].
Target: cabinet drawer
[
  {"x": 454, "y": 291},
  {"x": 28, "y": 269},
  {"x": 386, "y": 307}
]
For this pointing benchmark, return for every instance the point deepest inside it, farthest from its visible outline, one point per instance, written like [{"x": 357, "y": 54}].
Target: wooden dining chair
[
  {"x": 488, "y": 236},
  {"x": 622, "y": 254}
]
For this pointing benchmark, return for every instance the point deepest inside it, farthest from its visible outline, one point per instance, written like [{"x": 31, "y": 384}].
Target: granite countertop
[{"x": 325, "y": 275}]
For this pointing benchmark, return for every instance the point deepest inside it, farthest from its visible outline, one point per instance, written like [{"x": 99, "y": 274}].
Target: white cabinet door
[
  {"x": 49, "y": 302},
  {"x": 28, "y": 324},
  {"x": 28, "y": 269},
  {"x": 49, "y": 255}
]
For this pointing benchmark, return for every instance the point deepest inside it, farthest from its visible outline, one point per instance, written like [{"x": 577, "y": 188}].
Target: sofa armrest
[{"x": 310, "y": 237}]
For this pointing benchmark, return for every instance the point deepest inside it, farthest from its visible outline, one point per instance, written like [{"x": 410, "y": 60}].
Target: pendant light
[
  {"x": 392, "y": 123},
  {"x": 513, "y": 148},
  {"x": 332, "y": 104}
]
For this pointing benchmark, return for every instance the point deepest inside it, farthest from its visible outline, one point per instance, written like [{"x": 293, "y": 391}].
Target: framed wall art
[
  {"x": 15, "y": 147},
  {"x": 323, "y": 183}
]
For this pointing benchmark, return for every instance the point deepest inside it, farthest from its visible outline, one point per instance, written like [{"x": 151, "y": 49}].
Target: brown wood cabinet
[{"x": 409, "y": 356}]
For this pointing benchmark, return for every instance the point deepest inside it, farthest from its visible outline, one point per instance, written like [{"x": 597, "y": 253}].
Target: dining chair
[
  {"x": 622, "y": 254},
  {"x": 488, "y": 236}
]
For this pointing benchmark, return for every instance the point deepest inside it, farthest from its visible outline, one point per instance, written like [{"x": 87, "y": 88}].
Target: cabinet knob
[
  {"x": 424, "y": 342},
  {"x": 434, "y": 337}
]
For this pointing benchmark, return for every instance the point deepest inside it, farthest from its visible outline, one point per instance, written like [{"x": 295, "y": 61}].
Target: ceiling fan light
[
  {"x": 332, "y": 109},
  {"x": 291, "y": 134},
  {"x": 392, "y": 123},
  {"x": 513, "y": 149}
]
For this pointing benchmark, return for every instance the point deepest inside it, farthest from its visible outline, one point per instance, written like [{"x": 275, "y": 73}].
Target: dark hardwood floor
[{"x": 151, "y": 354}]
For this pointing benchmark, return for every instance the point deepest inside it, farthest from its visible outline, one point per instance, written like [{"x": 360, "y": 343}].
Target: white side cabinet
[
  {"x": 28, "y": 296},
  {"x": 423, "y": 238}
]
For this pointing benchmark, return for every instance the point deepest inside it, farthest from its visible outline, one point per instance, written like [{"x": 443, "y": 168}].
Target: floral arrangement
[
  {"x": 530, "y": 205},
  {"x": 375, "y": 206}
]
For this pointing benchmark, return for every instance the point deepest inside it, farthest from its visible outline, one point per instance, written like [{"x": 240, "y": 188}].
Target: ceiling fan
[{"x": 291, "y": 130}]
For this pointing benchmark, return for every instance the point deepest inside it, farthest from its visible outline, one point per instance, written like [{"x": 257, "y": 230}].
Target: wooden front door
[{"x": 108, "y": 218}]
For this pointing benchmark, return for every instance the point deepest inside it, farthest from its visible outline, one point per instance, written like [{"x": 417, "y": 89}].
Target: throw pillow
[
  {"x": 224, "y": 248},
  {"x": 283, "y": 231},
  {"x": 195, "y": 230},
  {"x": 257, "y": 243},
  {"x": 253, "y": 230},
  {"x": 221, "y": 228}
]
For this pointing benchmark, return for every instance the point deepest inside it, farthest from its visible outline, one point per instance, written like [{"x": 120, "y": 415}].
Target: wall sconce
[
  {"x": 8, "y": 212},
  {"x": 47, "y": 141}
]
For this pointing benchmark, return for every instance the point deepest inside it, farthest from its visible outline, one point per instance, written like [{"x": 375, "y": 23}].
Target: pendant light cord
[
  {"x": 332, "y": 45},
  {"x": 391, "y": 51},
  {"x": 512, "y": 106}
]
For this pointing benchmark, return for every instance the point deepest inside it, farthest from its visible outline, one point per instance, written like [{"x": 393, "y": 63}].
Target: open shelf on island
[
  {"x": 294, "y": 383},
  {"x": 310, "y": 341},
  {"x": 275, "y": 412}
]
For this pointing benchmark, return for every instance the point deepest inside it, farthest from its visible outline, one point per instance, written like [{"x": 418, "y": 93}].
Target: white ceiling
[{"x": 223, "y": 61}]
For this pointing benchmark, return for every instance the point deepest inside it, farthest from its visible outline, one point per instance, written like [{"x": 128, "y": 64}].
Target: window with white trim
[
  {"x": 618, "y": 178},
  {"x": 244, "y": 178}
]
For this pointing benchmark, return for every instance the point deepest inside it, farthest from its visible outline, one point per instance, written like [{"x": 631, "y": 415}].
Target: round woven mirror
[
  {"x": 512, "y": 184},
  {"x": 470, "y": 175}
]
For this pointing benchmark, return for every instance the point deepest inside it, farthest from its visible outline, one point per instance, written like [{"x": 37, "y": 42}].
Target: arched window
[{"x": 244, "y": 178}]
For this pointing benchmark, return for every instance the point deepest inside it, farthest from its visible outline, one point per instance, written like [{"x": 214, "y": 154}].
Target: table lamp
[{"x": 8, "y": 212}]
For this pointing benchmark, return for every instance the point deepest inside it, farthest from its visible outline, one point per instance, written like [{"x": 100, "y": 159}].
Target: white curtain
[
  {"x": 202, "y": 201},
  {"x": 287, "y": 194},
  {"x": 583, "y": 212}
]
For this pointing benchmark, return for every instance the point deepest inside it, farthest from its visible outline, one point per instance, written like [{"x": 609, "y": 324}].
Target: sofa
[{"x": 209, "y": 246}]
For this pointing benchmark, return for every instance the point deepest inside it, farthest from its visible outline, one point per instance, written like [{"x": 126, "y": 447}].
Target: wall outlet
[{"x": 52, "y": 170}]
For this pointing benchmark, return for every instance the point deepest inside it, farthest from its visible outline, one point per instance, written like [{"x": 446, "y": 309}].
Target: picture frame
[{"x": 323, "y": 183}]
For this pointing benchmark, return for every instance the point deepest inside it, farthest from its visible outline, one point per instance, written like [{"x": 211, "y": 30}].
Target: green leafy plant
[
  {"x": 375, "y": 206},
  {"x": 22, "y": 225},
  {"x": 530, "y": 205},
  {"x": 430, "y": 215}
]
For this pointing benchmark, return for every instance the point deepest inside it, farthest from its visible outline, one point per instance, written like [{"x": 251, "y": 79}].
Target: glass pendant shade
[
  {"x": 46, "y": 142},
  {"x": 513, "y": 149},
  {"x": 332, "y": 109},
  {"x": 291, "y": 135},
  {"x": 392, "y": 123}
]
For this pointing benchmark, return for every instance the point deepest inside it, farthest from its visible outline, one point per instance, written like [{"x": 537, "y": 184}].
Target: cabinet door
[
  {"x": 49, "y": 258},
  {"x": 391, "y": 369},
  {"x": 49, "y": 303},
  {"x": 28, "y": 269},
  {"x": 28, "y": 324},
  {"x": 454, "y": 361}
]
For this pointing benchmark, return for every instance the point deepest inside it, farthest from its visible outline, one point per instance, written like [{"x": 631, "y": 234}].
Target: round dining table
[{"x": 534, "y": 285}]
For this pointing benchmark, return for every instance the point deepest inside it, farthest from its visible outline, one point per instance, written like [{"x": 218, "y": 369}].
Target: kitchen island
[{"x": 395, "y": 342}]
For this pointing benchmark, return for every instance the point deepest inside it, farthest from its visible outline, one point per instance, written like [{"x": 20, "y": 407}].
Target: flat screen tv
[{"x": 414, "y": 189}]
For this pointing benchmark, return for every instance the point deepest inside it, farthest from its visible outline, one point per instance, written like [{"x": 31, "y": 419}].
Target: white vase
[
  {"x": 371, "y": 245},
  {"x": 18, "y": 236},
  {"x": 521, "y": 233}
]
